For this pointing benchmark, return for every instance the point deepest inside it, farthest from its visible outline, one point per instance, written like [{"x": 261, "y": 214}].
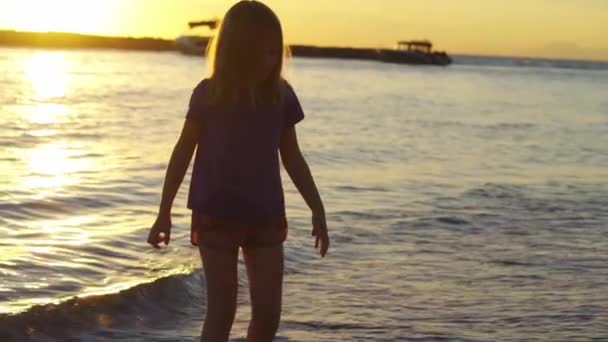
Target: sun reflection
[
  {"x": 48, "y": 74},
  {"x": 53, "y": 166},
  {"x": 46, "y": 113},
  {"x": 69, "y": 231}
]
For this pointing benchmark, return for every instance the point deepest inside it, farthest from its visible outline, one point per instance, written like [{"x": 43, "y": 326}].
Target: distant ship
[
  {"x": 195, "y": 45},
  {"x": 415, "y": 52},
  {"x": 407, "y": 52}
]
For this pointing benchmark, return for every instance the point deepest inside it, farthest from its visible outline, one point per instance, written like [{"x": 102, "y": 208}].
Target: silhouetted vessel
[
  {"x": 195, "y": 45},
  {"x": 407, "y": 52},
  {"x": 414, "y": 52}
]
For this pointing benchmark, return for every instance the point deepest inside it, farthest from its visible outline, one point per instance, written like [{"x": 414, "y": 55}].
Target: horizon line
[{"x": 464, "y": 54}]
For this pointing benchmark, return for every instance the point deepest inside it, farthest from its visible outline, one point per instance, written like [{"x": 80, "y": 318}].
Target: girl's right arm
[{"x": 176, "y": 170}]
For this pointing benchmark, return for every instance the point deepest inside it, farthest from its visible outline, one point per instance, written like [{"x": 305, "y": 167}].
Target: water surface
[{"x": 465, "y": 203}]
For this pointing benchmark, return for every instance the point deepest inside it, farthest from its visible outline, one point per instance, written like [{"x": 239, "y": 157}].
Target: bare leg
[
  {"x": 220, "y": 267},
  {"x": 265, "y": 272}
]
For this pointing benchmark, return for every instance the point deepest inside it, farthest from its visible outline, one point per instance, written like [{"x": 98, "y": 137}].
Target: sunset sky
[{"x": 547, "y": 28}]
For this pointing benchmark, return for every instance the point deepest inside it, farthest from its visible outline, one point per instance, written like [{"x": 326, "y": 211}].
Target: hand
[
  {"x": 319, "y": 231},
  {"x": 160, "y": 231}
]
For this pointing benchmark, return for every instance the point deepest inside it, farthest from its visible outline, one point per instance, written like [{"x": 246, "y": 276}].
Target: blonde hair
[{"x": 238, "y": 50}]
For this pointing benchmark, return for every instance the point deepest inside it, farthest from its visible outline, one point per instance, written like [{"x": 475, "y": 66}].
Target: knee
[{"x": 221, "y": 312}]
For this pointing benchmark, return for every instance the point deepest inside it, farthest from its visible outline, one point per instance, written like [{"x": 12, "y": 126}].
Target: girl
[{"x": 240, "y": 119}]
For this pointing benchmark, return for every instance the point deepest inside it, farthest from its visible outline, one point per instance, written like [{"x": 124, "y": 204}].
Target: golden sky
[{"x": 547, "y": 28}]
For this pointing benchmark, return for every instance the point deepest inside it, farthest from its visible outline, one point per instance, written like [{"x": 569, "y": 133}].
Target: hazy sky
[{"x": 552, "y": 28}]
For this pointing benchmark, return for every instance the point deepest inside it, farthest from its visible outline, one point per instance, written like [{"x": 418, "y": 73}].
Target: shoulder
[
  {"x": 291, "y": 104},
  {"x": 199, "y": 93},
  {"x": 287, "y": 91},
  {"x": 201, "y": 86},
  {"x": 198, "y": 99},
  {"x": 286, "y": 86}
]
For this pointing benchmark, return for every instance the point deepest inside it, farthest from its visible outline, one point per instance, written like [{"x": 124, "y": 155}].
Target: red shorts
[{"x": 212, "y": 232}]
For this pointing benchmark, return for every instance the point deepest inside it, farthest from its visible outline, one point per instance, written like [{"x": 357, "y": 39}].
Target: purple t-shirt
[{"x": 236, "y": 171}]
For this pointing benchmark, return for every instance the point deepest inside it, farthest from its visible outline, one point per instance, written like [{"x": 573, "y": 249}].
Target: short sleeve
[
  {"x": 292, "y": 108},
  {"x": 196, "y": 106}
]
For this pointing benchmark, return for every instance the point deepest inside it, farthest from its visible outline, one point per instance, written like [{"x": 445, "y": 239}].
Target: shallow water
[{"x": 465, "y": 203}]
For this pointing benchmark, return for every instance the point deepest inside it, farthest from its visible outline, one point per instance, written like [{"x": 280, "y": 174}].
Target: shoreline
[{"x": 81, "y": 41}]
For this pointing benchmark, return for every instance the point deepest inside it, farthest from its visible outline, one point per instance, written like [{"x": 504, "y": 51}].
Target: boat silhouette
[{"x": 417, "y": 52}]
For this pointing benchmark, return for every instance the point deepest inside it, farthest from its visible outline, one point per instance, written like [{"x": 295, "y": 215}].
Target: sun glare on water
[
  {"x": 47, "y": 73},
  {"x": 52, "y": 165}
]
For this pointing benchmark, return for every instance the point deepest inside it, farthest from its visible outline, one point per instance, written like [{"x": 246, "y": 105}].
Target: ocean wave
[
  {"x": 100, "y": 198},
  {"x": 556, "y": 199},
  {"x": 151, "y": 305}
]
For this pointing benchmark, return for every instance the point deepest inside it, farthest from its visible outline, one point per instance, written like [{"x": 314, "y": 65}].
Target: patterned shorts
[{"x": 219, "y": 233}]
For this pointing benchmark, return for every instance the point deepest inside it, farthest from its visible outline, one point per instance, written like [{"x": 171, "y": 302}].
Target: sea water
[{"x": 466, "y": 203}]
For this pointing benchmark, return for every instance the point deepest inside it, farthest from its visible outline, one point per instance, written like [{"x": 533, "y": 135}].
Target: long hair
[{"x": 237, "y": 54}]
